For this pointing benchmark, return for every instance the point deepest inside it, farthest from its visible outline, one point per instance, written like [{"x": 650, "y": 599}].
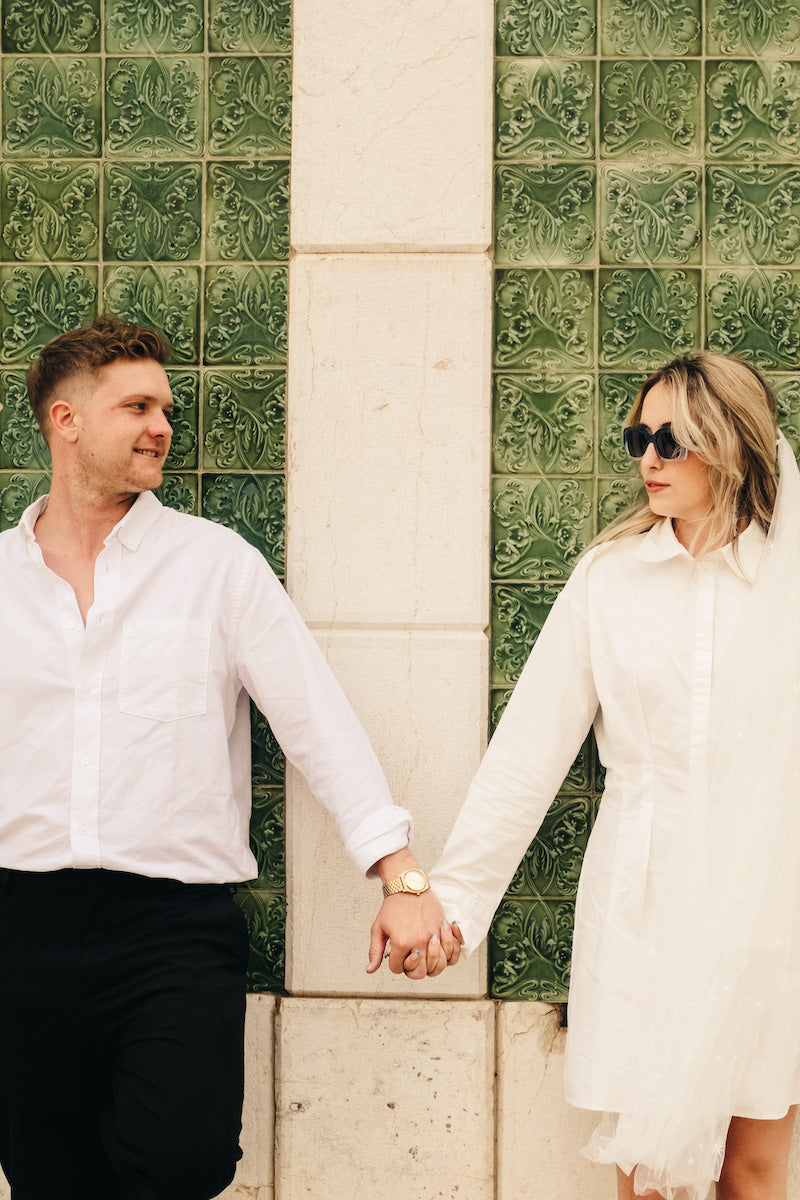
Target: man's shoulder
[{"x": 186, "y": 527}]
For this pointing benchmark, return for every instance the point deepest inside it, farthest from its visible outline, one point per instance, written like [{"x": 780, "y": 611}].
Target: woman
[{"x": 678, "y": 639}]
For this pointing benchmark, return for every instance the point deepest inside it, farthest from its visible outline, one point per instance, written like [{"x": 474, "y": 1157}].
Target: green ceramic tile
[
  {"x": 498, "y": 700},
  {"x": 179, "y": 492},
  {"x": 250, "y": 26},
  {"x": 755, "y": 314},
  {"x": 753, "y": 215},
  {"x": 50, "y": 211},
  {"x": 21, "y": 443},
  {"x": 544, "y": 319},
  {"x": 267, "y": 839},
  {"x": 539, "y": 526},
  {"x": 787, "y": 395},
  {"x": 650, "y": 215},
  {"x": 530, "y": 948},
  {"x": 152, "y": 211},
  {"x": 185, "y": 387},
  {"x": 545, "y": 109},
  {"x": 614, "y": 496},
  {"x": 650, "y": 110},
  {"x": 544, "y": 215},
  {"x": 552, "y": 863},
  {"x": 253, "y": 505},
  {"x": 564, "y": 29},
  {"x": 647, "y": 317},
  {"x": 154, "y": 107},
  {"x": 157, "y": 27},
  {"x": 753, "y": 111},
  {"x": 250, "y": 106},
  {"x": 245, "y": 315},
  {"x": 248, "y": 211},
  {"x": 543, "y": 424},
  {"x": 650, "y": 28},
  {"x": 768, "y": 29},
  {"x": 50, "y": 26},
  {"x": 51, "y": 107},
  {"x": 244, "y": 418},
  {"x": 518, "y": 613},
  {"x": 17, "y": 491},
  {"x": 269, "y": 764},
  {"x": 617, "y": 394},
  {"x": 165, "y": 298},
  {"x": 265, "y": 913},
  {"x": 39, "y": 302}
]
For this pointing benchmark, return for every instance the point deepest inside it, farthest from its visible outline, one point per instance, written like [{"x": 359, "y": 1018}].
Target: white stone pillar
[{"x": 388, "y": 424}]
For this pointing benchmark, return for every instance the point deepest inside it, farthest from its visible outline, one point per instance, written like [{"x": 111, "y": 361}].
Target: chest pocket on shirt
[{"x": 164, "y": 669}]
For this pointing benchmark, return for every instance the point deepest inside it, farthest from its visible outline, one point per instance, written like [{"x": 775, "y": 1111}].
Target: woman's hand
[{"x": 443, "y": 950}]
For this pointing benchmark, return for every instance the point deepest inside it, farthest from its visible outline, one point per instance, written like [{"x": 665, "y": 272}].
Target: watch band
[{"x": 400, "y": 883}]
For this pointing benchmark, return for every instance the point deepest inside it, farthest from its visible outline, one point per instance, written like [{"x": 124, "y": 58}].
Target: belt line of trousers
[{"x": 122, "y": 1004}]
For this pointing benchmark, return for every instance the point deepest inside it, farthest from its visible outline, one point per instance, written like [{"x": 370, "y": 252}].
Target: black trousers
[{"x": 121, "y": 1036}]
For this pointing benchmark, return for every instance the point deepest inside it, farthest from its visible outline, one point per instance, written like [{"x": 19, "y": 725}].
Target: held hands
[
  {"x": 401, "y": 933},
  {"x": 411, "y": 930}
]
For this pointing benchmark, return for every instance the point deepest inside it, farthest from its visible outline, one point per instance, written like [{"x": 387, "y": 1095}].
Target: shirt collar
[
  {"x": 742, "y": 556},
  {"x": 129, "y": 531}
]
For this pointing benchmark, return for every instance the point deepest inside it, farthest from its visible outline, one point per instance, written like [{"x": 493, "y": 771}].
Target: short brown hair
[{"x": 87, "y": 349}]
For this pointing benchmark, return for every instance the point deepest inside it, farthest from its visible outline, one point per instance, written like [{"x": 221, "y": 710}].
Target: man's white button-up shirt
[{"x": 125, "y": 744}]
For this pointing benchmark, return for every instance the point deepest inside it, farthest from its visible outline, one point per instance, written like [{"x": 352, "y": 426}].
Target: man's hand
[{"x": 411, "y": 931}]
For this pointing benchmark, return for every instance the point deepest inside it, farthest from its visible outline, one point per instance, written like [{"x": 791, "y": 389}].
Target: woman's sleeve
[{"x": 538, "y": 737}]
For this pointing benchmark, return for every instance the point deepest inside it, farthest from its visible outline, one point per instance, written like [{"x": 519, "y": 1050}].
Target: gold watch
[{"x": 413, "y": 881}]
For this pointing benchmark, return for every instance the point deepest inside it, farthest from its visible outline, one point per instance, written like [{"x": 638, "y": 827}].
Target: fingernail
[
  {"x": 416, "y": 953},
  {"x": 435, "y": 937}
]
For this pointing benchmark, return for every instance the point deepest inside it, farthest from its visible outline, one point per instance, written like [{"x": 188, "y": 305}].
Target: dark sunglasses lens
[
  {"x": 665, "y": 444},
  {"x": 636, "y": 441}
]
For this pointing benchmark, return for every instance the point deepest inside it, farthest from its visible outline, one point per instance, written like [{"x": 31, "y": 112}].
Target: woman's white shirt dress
[{"x": 633, "y": 646}]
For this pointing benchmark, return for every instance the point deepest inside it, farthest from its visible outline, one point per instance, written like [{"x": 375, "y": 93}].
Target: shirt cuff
[{"x": 382, "y": 833}]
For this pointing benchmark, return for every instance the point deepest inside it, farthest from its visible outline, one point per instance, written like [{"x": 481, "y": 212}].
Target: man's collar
[
  {"x": 742, "y": 556},
  {"x": 129, "y": 531},
  {"x": 137, "y": 520}
]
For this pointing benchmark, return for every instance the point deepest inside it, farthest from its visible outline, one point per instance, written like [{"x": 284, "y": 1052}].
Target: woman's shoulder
[{"x": 612, "y": 556}]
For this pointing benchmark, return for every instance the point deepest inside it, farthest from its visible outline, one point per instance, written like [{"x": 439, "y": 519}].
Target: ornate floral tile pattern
[
  {"x": 647, "y": 201},
  {"x": 145, "y": 172}
]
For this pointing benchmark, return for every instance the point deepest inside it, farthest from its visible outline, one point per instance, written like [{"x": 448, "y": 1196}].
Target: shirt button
[
  {"x": 86, "y": 690},
  {"x": 85, "y": 760},
  {"x": 83, "y": 832},
  {"x": 72, "y": 624}
]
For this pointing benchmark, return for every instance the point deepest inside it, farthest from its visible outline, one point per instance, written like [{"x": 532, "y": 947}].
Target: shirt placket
[
  {"x": 701, "y": 702},
  {"x": 85, "y": 832}
]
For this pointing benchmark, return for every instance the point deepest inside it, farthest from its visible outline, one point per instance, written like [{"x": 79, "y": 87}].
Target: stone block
[
  {"x": 392, "y": 127},
  {"x": 383, "y": 1099},
  {"x": 422, "y": 700},
  {"x": 254, "y": 1177},
  {"x": 539, "y": 1136},
  {"x": 388, "y": 430}
]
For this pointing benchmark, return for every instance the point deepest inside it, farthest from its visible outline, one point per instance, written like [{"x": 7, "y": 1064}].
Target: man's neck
[{"x": 78, "y": 525}]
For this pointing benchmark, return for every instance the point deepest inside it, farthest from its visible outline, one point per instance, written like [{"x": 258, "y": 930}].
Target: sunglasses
[{"x": 638, "y": 437}]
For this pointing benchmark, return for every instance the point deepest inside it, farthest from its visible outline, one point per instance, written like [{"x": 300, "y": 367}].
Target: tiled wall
[
  {"x": 647, "y": 201},
  {"x": 145, "y": 172}
]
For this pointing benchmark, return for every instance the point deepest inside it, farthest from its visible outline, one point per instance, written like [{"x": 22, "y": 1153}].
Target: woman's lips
[{"x": 655, "y": 487}]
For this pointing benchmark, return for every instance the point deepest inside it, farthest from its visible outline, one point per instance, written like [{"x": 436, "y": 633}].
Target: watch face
[{"x": 415, "y": 880}]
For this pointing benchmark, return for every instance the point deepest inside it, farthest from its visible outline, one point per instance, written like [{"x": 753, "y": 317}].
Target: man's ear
[{"x": 62, "y": 420}]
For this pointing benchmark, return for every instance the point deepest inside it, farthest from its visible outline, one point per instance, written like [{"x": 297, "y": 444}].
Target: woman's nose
[{"x": 650, "y": 457}]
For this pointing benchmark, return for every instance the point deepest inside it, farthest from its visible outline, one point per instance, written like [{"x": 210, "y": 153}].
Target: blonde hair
[{"x": 725, "y": 411}]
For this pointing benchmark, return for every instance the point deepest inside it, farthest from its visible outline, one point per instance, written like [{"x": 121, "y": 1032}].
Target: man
[{"x": 131, "y": 638}]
